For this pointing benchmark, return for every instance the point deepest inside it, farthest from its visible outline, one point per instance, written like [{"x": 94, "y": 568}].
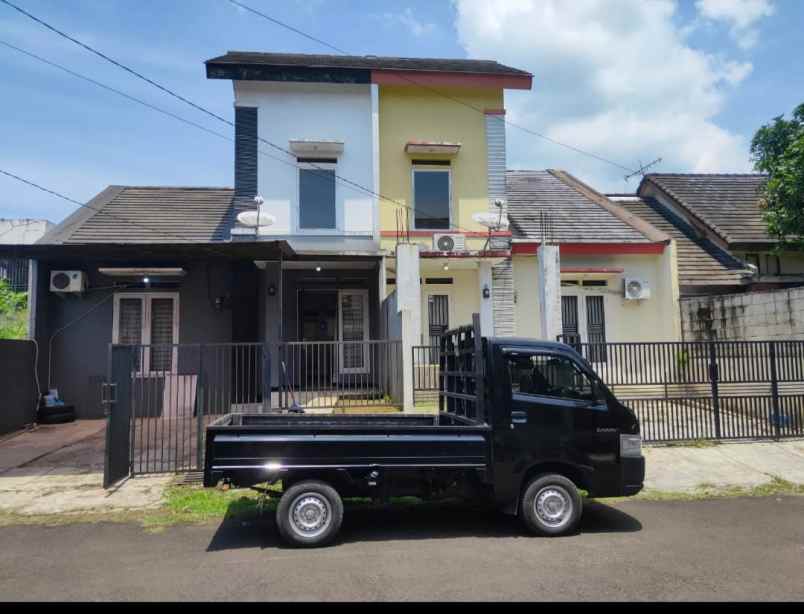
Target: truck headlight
[{"x": 630, "y": 446}]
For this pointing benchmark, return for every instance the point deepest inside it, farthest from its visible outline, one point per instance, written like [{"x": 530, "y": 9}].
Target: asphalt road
[{"x": 747, "y": 549}]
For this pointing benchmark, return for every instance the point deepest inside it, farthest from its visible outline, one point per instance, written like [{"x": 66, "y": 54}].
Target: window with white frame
[
  {"x": 317, "y": 205},
  {"x": 148, "y": 319},
  {"x": 432, "y": 196}
]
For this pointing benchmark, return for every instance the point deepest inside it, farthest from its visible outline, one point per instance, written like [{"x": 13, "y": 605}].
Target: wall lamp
[{"x": 486, "y": 291}]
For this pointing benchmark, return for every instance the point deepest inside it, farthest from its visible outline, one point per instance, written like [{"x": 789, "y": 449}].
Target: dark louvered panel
[
  {"x": 161, "y": 334},
  {"x": 245, "y": 151},
  {"x": 596, "y": 328},
  {"x": 569, "y": 316}
]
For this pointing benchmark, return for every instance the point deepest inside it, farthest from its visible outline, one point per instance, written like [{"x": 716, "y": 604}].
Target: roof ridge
[
  {"x": 706, "y": 174},
  {"x": 645, "y": 228}
]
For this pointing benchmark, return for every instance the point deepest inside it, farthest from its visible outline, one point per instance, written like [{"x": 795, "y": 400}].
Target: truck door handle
[{"x": 519, "y": 417}]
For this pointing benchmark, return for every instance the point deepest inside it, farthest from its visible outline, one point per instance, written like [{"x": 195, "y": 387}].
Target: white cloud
[
  {"x": 618, "y": 79},
  {"x": 410, "y": 22},
  {"x": 740, "y": 15}
]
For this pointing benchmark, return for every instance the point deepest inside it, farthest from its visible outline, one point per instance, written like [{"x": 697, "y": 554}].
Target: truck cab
[{"x": 550, "y": 412}]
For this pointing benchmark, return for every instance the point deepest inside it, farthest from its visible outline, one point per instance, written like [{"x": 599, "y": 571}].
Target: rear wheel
[
  {"x": 551, "y": 505},
  {"x": 309, "y": 514}
]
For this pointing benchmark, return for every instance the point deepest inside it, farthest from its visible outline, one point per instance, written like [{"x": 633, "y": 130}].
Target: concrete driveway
[{"x": 58, "y": 468}]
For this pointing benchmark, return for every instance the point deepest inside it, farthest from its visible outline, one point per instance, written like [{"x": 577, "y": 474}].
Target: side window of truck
[{"x": 549, "y": 375}]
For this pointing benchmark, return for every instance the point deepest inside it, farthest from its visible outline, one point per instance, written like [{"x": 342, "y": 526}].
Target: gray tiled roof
[
  {"x": 700, "y": 262},
  {"x": 575, "y": 217},
  {"x": 728, "y": 204},
  {"x": 128, "y": 214},
  {"x": 366, "y": 62}
]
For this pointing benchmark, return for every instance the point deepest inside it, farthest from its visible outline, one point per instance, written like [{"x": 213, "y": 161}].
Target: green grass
[
  {"x": 193, "y": 504},
  {"x": 695, "y": 443},
  {"x": 773, "y": 488}
]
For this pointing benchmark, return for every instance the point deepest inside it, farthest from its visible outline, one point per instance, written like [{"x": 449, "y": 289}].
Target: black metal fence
[
  {"x": 165, "y": 395},
  {"x": 686, "y": 390}
]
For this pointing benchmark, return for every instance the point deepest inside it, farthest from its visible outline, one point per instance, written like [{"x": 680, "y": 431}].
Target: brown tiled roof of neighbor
[
  {"x": 126, "y": 214},
  {"x": 577, "y": 213},
  {"x": 366, "y": 62},
  {"x": 700, "y": 262},
  {"x": 728, "y": 204}
]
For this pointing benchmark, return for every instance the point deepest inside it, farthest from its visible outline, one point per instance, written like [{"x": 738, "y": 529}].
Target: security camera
[
  {"x": 258, "y": 200},
  {"x": 499, "y": 202}
]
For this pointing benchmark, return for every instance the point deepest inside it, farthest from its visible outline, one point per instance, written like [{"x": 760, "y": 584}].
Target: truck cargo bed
[{"x": 249, "y": 448}]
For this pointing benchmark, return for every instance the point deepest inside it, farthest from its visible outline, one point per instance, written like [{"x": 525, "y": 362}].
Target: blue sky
[{"x": 630, "y": 80}]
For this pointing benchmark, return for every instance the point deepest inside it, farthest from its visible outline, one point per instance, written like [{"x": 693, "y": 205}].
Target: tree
[
  {"x": 778, "y": 150},
  {"x": 13, "y": 313}
]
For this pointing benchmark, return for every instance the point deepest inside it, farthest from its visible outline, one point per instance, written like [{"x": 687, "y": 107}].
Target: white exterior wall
[
  {"x": 23, "y": 231},
  {"x": 315, "y": 111},
  {"x": 654, "y": 319}
]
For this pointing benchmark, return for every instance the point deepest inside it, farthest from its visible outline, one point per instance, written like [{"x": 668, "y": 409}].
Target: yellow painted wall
[
  {"x": 654, "y": 319},
  {"x": 415, "y": 114}
]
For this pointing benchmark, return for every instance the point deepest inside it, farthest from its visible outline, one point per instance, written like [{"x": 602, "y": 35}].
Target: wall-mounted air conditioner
[
  {"x": 636, "y": 289},
  {"x": 68, "y": 281},
  {"x": 449, "y": 242}
]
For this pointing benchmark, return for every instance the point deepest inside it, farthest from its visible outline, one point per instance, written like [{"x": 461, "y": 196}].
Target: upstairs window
[
  {"x": 317, "y": 194},
  {"x": 432, "y": 197}
]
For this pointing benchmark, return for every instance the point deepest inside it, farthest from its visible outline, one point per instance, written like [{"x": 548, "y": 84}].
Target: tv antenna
[{"x": 642, "y": 168}]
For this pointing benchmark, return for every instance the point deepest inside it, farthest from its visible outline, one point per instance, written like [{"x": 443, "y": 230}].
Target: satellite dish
[
  {"x": 255, "y": 219},
  {"x": 492, "y": 221}
]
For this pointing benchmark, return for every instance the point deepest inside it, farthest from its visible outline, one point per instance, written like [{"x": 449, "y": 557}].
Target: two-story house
[{"x": 351, "y": 155}]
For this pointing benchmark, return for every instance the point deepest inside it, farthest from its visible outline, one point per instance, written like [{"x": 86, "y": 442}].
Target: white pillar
[
  {"x": 408, "y": 289},
  {"x": 549, "y": 264},
  {"x": 486, "y": 304}
]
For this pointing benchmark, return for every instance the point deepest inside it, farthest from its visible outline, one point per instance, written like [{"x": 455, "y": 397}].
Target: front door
[{"x": 353, "y": 319}]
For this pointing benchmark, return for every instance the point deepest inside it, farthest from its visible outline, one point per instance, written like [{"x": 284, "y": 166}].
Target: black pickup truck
[{"x": 522, "y": 424}]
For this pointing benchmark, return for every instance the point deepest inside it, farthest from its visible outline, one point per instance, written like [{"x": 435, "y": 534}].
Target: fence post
[
  {"x": 199, "y": 400},
  {"x": 266, "y": 377},
  {"x": 713, "y": 377},
  {"x": 776, "y": 415}
]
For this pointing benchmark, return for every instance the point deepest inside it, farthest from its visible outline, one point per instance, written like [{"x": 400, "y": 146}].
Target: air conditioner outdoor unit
[
  {"x": 636, "y": 289},
  {"x": 68, "y": 281},
  {"x": 449, "y": 242}
]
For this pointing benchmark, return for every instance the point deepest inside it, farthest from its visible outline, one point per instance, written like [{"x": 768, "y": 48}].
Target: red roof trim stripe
[
  {"x": 529, "y": 249},
  {"x": 450, "y": 79}
]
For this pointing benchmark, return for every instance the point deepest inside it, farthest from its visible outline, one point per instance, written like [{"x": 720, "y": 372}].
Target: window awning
[
  {"x": 142, "y": 271},
  {"x": 310, "y": 147},
  {"x": 432, "y": 147}
]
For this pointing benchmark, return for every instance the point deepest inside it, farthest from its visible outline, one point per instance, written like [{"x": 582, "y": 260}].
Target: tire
[
  {"x": 309, "y": 514},
  {"x": 551, "y": 505},
  {"x": 59, "y": 418}
]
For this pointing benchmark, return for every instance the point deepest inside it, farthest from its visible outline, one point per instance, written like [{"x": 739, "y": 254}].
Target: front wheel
[
  {"x": 309, "y": 514},
  {"x": 551, "y": 505}
]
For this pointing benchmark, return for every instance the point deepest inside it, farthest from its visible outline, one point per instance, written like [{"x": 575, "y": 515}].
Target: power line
[
  {"x": 427, "y": 87},
  {"x": 134, "y": 98},
  {"x": 199, "y": 107}
]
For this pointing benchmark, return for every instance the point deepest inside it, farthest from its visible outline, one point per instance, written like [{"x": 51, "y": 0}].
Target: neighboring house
[
  {"x": 720, "y": 213},
  {"x": 602, "y": 248},
  {"x": 19, "y": 232}
]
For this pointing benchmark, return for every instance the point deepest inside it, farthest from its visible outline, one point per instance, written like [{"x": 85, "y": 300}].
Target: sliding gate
[{"x": 156, "y": 419}]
